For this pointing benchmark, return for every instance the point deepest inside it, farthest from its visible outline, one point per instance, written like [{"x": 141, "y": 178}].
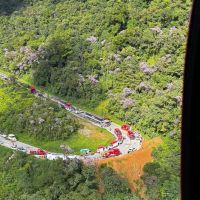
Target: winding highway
[{"x": 124, "y": 147}]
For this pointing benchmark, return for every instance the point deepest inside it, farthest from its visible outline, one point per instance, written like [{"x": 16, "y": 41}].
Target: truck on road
[
  {"x": 112, "y": 153},
  {"x": 38, "y": 152},
  {"x": 12, "y": 137}
]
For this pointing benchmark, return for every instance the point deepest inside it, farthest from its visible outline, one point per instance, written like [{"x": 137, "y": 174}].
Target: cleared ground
[{"x": 130, "y": 166}]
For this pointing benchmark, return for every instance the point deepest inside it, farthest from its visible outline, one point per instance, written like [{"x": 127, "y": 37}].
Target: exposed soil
[{"x": 131, "y": 165}]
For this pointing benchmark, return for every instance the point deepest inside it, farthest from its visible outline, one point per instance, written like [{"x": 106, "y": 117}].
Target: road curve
[{"x": 124, "y": 147}]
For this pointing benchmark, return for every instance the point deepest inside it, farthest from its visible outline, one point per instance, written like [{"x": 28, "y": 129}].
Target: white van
[{"x": 12, "y": 137}]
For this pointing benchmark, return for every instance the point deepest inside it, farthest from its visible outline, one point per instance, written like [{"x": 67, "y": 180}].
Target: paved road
[
  {"x": 20, "y": 146},
  {"x": 127, "y": 143},
  {"x": 96, "y": 120},
  {"x": 12, "y": 145}
]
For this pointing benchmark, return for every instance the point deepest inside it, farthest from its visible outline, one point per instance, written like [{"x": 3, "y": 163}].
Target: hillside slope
[
  {"x": 27, "y": 178},
  {"x": 132, "y": 56},
  {"x": 118, "y": 58}
]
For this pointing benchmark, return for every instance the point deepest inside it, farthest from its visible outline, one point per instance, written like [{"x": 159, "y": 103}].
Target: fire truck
[{"x": 112, "y": 153}]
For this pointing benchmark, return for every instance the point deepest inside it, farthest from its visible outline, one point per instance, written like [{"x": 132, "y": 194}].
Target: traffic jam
[
  {"x": 102, "y": 151},
  {"x": 113, "y": 150},
  {"x": 126, "y": 140}
]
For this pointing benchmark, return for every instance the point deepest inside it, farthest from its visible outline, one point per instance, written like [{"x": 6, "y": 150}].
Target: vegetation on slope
[
  {"x": 162, "y": 177},
  {"x": 43, "y": 124},
  {"x": 131, "y": 166},
  {"x": 22, "y": 113},
  {"x": 132, "y": 56},
  {"x": 124, "y": 57},
  {"x": 26, "y": 178}
]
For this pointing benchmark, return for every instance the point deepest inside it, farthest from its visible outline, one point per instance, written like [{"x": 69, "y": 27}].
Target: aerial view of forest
[{"x": 120, "y": 61}]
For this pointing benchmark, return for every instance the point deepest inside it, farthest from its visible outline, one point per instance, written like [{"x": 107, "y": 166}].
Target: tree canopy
[{"x": 122, "y": 58}]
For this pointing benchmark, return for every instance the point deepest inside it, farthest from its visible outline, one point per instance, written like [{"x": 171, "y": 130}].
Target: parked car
[
  {"x": 77, "y": 111},
  {"x": 68, "y": 106},
  {"x": 118, "y": 131},
  {"x": 21, "y": 149},
  {"x": 85, "y": 151},
  {"x": 131, "y": 135},
  {"x": 125, "y": 127},
  {"x": 137, "y": 135},
  {"x": 54, "y": 156},
  {"x": 131, "y": 149},
  {"x": 12, "y": 137},
  {"x": 112, "y": 153},
  {"x": 69, "y": 109},
  {"x": 40, "y": 94},
  {"x": 72, "y": 156},
  {"x": 113, "y": 144},
  {"x": 4, "y": 135},
  {"x": 106, "y": 122},
  {"x": 38, "y": 152},
  {"x": 120, "y": 140},
  {"x": 100, "y": 149},
  {"x": 14, "y": 146},
  {"x": 32, "y": 90}
]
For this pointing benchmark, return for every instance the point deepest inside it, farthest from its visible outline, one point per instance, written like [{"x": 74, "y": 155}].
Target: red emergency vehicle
[
  {"x": 117, "y": 131},
  {"x": 131, "y": 134},
  {"x": 112, "y": 152},
  {"x": 32, "y": 89},
  {"x": 125, "y": 127},
  {"x": 38, "y": 152}
]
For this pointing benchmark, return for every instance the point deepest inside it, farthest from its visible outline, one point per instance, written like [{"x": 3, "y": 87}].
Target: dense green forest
[
  {"x": 26, "y": 178},
  {"x": 127, "y": 52},
  {"x": 42, "y": 123},
  {"x": 21, "y": 112},
  {"x": 123, "y": 57}
]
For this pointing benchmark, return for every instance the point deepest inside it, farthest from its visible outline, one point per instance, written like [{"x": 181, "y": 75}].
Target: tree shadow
[{"x": 7, "y": 7}]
